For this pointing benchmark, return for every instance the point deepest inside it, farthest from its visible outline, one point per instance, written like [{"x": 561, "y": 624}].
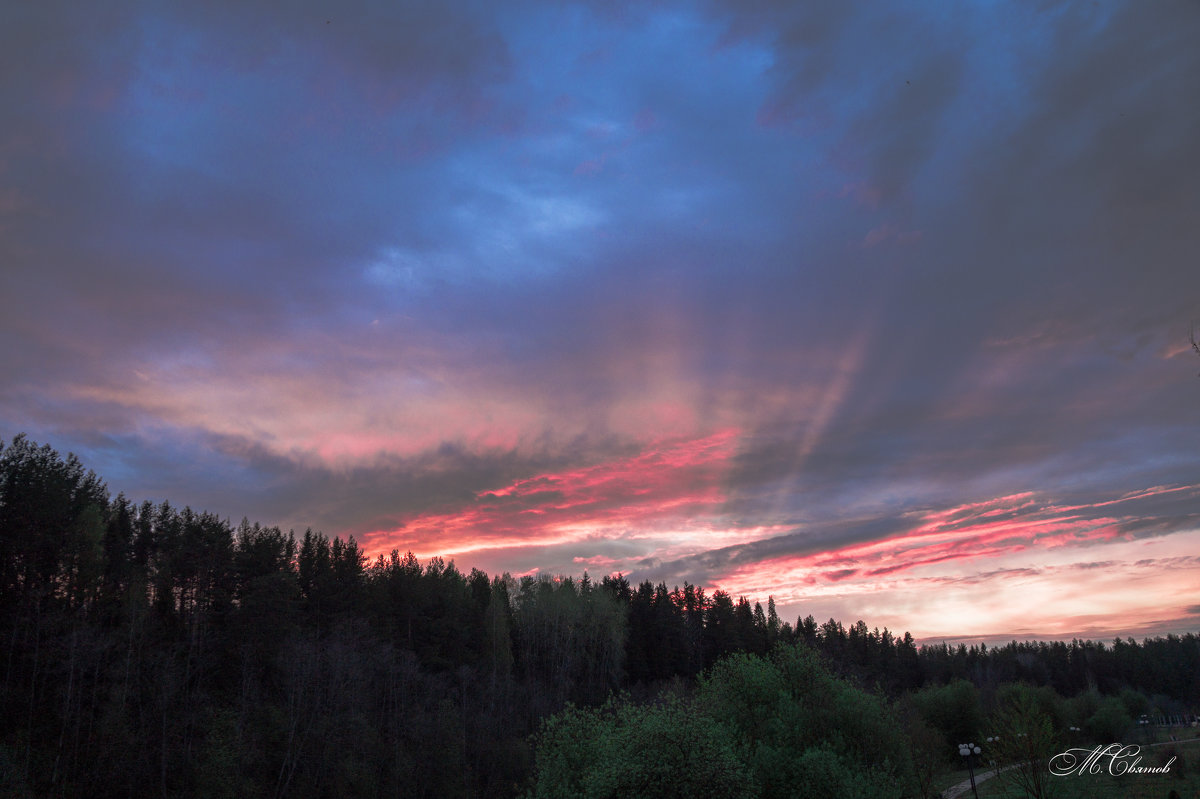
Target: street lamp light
[{"x": 969, "y": 751}]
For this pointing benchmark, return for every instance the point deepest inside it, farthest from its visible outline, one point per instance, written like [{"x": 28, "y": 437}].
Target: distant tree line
[{"x": 159, "y": 651}]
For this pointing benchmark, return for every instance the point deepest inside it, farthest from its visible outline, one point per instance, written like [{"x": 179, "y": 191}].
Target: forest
[{"x": 160, "y": 651}]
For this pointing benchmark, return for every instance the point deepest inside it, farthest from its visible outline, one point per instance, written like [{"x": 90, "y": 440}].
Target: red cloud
[
  {"x": 968, "y": 532},
  {"x": 677, "y": 479}
]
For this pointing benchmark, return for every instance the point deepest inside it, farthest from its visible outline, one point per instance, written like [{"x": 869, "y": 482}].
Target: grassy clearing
[
  {"x": 948, "y": 779},
  {"x": 1183, "y": 778}
]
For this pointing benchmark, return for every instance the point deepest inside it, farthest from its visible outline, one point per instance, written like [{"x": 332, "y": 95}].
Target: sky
[{"x": 879, "y": 309}]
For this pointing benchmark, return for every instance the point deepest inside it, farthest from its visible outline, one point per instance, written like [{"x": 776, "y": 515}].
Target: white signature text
[{"x": 1116, "y": 759}]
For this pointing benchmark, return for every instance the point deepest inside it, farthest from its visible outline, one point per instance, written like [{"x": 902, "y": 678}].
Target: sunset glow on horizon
[{"x": 882, "y": 313}]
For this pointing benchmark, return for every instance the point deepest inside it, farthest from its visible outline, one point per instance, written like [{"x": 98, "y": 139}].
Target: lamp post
[
  {"x": 993, "y": 742},
  {"x": 969, "y": 751}
]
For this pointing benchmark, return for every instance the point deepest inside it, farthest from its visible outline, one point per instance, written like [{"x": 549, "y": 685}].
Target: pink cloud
[
  {"x": 1010, "y": 566},
  {"x": 609, "y": 565},
  {"x": 667, "y": 481},
  {"x": 968, "y": 533}
]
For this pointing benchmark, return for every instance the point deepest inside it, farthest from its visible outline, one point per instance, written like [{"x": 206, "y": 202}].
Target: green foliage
[
  {"x": 744, "y": 692},
  {"x": 954, "y": 710},
  {"x": 802, "y": 731},
  {"x": 1044, "y": 699},
  {"x": 1078, "y": 709},
  {"x": 158, "y": 651},
  {"x": 1109, "y": 723},
  {"x": 821, "y": 773},
  {"x": 1135, "y": 702},
  {"x": 926, "y": 747},
  {"x": 778, "y": 726},
  {"x": 622, "y": 749},
  {"x": 1028, "y": 738}
]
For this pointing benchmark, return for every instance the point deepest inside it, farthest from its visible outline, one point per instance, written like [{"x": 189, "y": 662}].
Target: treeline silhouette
[{"x": 159, "y": 651}]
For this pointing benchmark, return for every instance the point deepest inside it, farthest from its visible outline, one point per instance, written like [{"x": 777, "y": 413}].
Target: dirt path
[{"x": 955, "y": 791}]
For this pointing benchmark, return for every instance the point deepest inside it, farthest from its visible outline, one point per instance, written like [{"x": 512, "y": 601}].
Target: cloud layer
[{"x": 884, "y": 314}]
